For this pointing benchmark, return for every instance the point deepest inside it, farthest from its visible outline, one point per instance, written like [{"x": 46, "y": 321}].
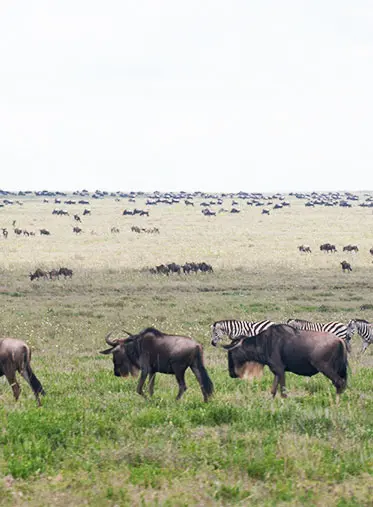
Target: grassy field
[{"x": 96, "y": 442}]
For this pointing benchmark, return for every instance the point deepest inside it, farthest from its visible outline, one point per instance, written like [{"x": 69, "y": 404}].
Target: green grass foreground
[{"x": 96, "y": 442}]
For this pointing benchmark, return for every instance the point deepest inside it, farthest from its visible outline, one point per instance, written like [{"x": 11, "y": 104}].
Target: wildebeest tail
[
  {"x": 207, "y": 384},
  {"x": 29, "y": 375},
  {"x": 341, "y": 360}
]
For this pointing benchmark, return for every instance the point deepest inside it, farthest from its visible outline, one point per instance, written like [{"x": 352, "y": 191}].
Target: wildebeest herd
[
  {"x": 301, "y": 347},
  {"x": 52, "y": 274},
  {"x": 187, "y": 268}
]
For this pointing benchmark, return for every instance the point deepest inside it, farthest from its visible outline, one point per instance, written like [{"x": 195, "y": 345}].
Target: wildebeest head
[{"x": 122, "y": 364}]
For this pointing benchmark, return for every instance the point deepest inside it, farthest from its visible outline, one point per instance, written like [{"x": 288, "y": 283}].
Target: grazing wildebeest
[
  {"x": 77, "y": 230},
  {"x": 284, "y": 348},
  {"x": 39, "y": 273},
  {"x": 44, "y": 232},
  {"x": 15, "y": 356},
  {"x": 77, "y": 218},
  {"x": 152, "y": 351},
  {"x": 5, "y": 232},
  {"x": 304, "y": 248},
  {"x": 327, "y": 247},
  {"x": 66, "y": 272},
  {"x": 163, "y": 269},
  {"x": 351, "y": 248},
  {"x": 86, "y": 212},
  {"x": 174, "y": 268},
  {"x": 346, "y": 266}
]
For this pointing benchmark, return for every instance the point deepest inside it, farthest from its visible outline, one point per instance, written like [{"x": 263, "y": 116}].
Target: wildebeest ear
[
  {"x": 233, "y": 345},
  {"x": 107, "y": 351}
]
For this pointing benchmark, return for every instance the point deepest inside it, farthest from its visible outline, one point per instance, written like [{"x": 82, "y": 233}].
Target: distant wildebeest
[
  {"x": 17, "y": 231},
  {"x": 174, "y": 268},
  {"x": 114, "y": 230},
  {"x": 15, "y": 356},
  {"x": 54, "y": 273},
  {"x": 371, "y": 251},
  {"x": 86, "y": 212},
  {"x": 66, "y": 272},
  {"x": 77, "y": 230},
  {"x": 284, "y": 348},
  {"x": 351, "y": 248},
  {"x": 44, "y": 232},
  {"x": 39, "y": 273},
  {"x": 304, "y": 248},
  {"x": 327, "y": 247},
  {"x": 5, "y": 232},
  {"x": 77, "y": 218},
  {"x": 265, "y": 211},
  {"x": 346, "y": 266},
  {"x": 152, "y": 351}
]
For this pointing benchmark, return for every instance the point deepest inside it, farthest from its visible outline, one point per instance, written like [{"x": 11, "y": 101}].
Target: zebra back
[
  {"x": 337, "y": 328},
  {"x": 235, "y": 328}
]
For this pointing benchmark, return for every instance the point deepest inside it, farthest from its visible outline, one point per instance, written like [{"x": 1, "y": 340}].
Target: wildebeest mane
[{"x": 151, "y": 330}]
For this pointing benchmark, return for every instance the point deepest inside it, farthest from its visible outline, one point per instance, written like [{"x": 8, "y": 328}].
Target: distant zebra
[
  {"x": 364, "y": 329},
  {"x": 337, "y": 328},
  {"x": 235, "y": 328}
]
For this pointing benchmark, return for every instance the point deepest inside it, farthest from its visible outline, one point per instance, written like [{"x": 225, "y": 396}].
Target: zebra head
[
  {"x": 351, "y": 329},
  {"x": 217, "y": 333}
]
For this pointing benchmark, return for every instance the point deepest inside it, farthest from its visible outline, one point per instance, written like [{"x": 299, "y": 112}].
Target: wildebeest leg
[
  {"x": 140, "y": 385},
  {"x": 180, "y": 377},
  {"x": 274, "y": 385},
  {"x": 11, "y": 378},
  {"x": 151, "y": 383}
]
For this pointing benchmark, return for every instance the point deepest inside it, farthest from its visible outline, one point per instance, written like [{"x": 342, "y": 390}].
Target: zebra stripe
[
  {"x": 364, "y": 329},
  {"x": 235, "y": 328},
  {"x": 337, "y": 328}
]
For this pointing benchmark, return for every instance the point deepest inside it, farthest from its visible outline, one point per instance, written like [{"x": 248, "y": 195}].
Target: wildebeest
[
  {"x": 44, "y": 232},
  {"x": 77, "y": 230},
  {"x": 351, "y": 248},
  {"x": 327, "y": 247},
  {"x": 15, "y": 356},
  {"x": 346, "y": 266},
  {"x": 39, "y": 273},
  {"x": 304, "y": 248},
  {"x": 54, "y": 273},
  {"x": 66, "y": 272},
  {"x": 152, "y": 351},
  {"x": 284, "y": 348}
]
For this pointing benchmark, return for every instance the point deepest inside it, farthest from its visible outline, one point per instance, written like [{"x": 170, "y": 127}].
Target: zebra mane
[{"x": 361, "y": 320}]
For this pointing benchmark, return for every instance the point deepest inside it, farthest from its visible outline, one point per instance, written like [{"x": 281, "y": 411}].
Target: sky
[{"x": 212, "y": 95}]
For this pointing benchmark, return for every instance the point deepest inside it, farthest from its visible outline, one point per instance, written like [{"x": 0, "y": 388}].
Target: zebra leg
[{"x": 364, "y": 347}]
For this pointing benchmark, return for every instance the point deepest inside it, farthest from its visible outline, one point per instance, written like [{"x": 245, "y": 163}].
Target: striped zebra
[
  {"x": 235, "y": 328},
  {"x": 337, "y": 328},
  {"x": 364, "y": 329}
]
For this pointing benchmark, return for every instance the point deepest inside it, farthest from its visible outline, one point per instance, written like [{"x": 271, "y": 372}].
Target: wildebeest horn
[
  {"x": 124, "y": 331},
  {"x": 110, "y": 342},
  {"x": 233, "y": 345}
]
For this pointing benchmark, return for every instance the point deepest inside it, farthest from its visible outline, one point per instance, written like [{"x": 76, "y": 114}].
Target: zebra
[
  {"x": 239, "y": 328},
  {"x": 235, "y": 328},
  {"x": 364, "y": 329},
  {"x": 337, "y": 328}
]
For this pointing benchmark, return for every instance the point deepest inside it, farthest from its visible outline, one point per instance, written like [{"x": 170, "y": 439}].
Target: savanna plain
[{"x": 96, "y": 442}]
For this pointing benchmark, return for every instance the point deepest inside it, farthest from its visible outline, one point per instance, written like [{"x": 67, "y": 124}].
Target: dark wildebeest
[
  {"x": 44, "y": 232},
  {"x": 153, "y": 352},
  {"x": 77, "y": 230},
  {"x": 327, "y": 247},
  {"x": 284, "y": 348},
  {"x": 66, "y": 272},
  {"x": 15, "y": 356},
  {"x": 351, "y": 248},
  {"x": 346, "y": 266},
  {"x": 371, "y": 251},
  {"x": 39, "y": 273},
  {"x": 304, "y": 248}
]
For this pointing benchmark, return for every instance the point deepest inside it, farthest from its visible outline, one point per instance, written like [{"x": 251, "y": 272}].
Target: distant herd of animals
[
  {"x": 52, "y": 274},
  {"x": 299, "y": 346},
  {"x": 187, "y": 268},
  {"x": 328, "y": 247}
]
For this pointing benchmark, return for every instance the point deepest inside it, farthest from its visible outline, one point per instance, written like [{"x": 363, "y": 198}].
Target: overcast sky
[{"x": 186, "y": 95}]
